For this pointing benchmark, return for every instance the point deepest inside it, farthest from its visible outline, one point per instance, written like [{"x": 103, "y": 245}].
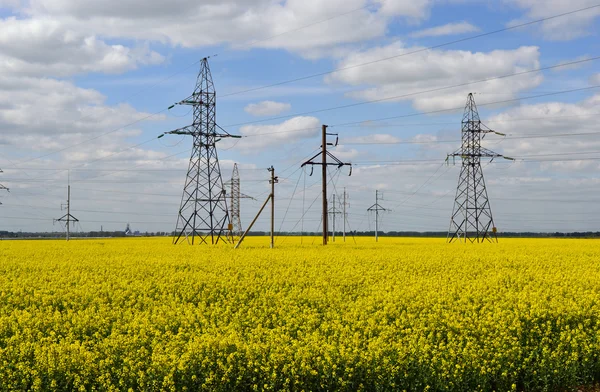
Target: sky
[{"x": 85, "y": 86}]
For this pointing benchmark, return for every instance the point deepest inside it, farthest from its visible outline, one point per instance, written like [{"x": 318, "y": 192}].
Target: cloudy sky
[{"x": 85, "y": 86}]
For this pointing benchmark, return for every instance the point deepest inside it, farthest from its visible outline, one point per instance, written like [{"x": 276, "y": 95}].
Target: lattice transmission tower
[
  {"x": 236, "y": 196},
  {"x": 203, "y": 212},
  {"x": 2, "y": 187},
  {"x": 472, "y": 214}
]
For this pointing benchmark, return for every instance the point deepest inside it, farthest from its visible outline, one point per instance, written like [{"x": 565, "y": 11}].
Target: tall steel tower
[
  {"x": 203, "y": 213},
  {"x": 236, "y": 195},
  {"x": 235, "y": 202},
  {"x": 472, "y": 214}
]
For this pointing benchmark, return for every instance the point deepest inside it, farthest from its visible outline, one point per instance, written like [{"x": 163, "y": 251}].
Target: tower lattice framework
[
  {"x": 203, "y": 215},
  {"x": 472, "y": 214},
  {"x": 236, "y": 221}
]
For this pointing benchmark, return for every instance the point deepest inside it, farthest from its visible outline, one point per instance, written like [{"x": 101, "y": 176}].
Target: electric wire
[
  {"x": 395, "y": 97},
  {"x": 513, "y": 27}
]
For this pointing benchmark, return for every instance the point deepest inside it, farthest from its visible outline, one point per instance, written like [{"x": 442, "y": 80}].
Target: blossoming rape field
[{"x": 403, "y": 314}]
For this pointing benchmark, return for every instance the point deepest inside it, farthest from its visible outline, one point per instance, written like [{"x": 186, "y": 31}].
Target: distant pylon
[
  {"x": 2, "y": 187},
  {"x": 236, "y": 196},
  {"x": 377, "y": 207},
  {"x": 472, "y": 214},
  {"x": 333, "y": 211},
  {"x": 68, "y": 218},
  {"x": 203, "y": 212}
]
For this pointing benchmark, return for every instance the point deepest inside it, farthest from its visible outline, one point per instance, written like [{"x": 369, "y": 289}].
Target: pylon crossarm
[
  {"x": 227, "y": 134},
  {"x": 484, "y": 152},
  {"x": 187, "y": 130}
]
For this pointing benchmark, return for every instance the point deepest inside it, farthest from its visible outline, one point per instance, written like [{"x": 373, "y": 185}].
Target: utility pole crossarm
[
  {"x": 66, "y": 217},
  {"x": 336, "y": 162}
]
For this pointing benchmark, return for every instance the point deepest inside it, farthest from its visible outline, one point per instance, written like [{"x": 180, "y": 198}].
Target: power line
[
  {"x": 460, "y": 107},
  {"x": 179, "y": 72},
  {"x": 362, "y": 122},
  {"x": 514, "y": 27},
  {"x": 395, "y": 97}
]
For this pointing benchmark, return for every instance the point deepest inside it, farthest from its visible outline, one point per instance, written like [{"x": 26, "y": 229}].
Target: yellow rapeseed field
[{"x": 403, "y": 314}]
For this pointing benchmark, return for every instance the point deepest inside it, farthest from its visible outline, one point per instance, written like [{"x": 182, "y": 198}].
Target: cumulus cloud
[
  {"x": 407, "y": 77},
  {"x": 267, "y": 108},
  {"x": 43, "y": 106},
  {"x": 36, "y": 47},
  {"x": 417, "y": 10},
  {"x": 564, "y": 28},
  {"x": 241, "y": 23},
  {"x": 374, "y": 138},
  {"x": 447, "y": 29},
  {"x": 258, "y": 137},
  {"x": 548, "y": 119}
]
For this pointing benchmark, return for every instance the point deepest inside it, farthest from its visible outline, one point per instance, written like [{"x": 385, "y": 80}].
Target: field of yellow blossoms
[{"x": 402, "y": 314}]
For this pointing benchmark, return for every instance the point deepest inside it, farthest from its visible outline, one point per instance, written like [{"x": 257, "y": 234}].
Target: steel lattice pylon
[
  {"x": 203, "y": 212},
  {"x": 235, "y": 202},
  {"x": 236, "y": 196},
  {"x": 2, "y": 187},
  {"x": 472, "y": 214}
]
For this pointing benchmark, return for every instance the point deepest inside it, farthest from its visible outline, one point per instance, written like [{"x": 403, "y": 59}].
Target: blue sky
[{"x": 74, "y": 70}]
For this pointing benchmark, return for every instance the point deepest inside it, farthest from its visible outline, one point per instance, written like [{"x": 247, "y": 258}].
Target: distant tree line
[{"x": 440, "y": 234}]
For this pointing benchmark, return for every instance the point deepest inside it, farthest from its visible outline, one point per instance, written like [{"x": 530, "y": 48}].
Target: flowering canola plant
[{"x": 398, "y": 315}]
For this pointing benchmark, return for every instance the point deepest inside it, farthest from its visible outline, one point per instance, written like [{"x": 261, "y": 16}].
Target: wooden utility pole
[
  {"x": 273, "y": 181},
  {"x": 324, "y": 153},
  {"x": 324, "y": 173}
]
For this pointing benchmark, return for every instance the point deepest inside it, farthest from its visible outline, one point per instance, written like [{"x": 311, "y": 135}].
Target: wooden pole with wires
[
  {"x": 336, "y": 162},
  {"x": 273, "y": 181},
  {"x": 324, "y": 173}
]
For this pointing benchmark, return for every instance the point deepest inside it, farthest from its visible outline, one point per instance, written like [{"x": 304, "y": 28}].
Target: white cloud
[
  {"x": 46, "y": 47},
  {"x": 42, "y": 106},
  {"x": 241, "y": 23},
  {"x": 417, "y": 10},
  {"x": 345, "y": 154},
  {"x": 572, "y": 66},
  {"x": 374, "y": 138},
  {"x": 267, "y": 108},
  {"x": 258, "y": 137},
  {"x": 447, "y": 29},
  {"x": 434, "y": 69},
  {"x": 551, "y": 118},
  {"x": 564, "y": 28}
]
